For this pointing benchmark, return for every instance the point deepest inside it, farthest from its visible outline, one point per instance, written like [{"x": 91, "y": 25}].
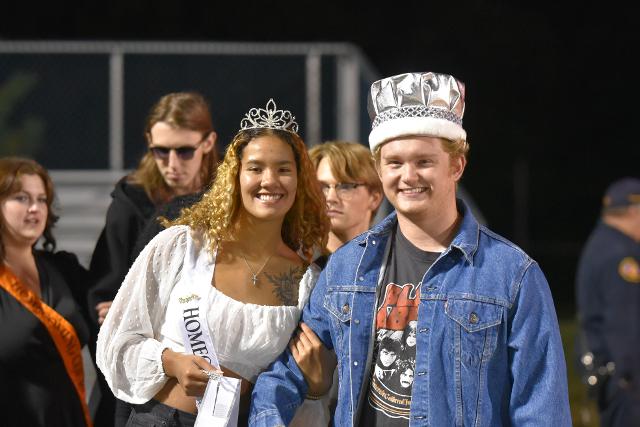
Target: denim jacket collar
[
  {"x": 468, "y": 234},
  {"x": 466, "y": 240}
]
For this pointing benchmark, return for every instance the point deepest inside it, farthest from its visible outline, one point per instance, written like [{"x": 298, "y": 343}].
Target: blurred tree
[{"x": 23, "y": 138}]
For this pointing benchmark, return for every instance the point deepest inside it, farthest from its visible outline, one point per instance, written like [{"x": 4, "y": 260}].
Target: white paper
[{"x": 220, "y": 404}]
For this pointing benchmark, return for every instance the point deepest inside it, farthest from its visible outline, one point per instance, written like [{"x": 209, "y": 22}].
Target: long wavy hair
[
  {"x": 305, "y": 226},
  {"x": 11, "y": 169},
  {"x": 180, "y": 110}
]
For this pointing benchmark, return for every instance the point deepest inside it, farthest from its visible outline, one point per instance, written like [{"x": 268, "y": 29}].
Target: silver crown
[
  {"x": 430, "y": 104},
  {"x": 270, "y": 118},
  {"x": 416, "y": 95}
]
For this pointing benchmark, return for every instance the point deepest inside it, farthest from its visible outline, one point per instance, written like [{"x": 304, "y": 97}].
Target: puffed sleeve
[{"x": 128, "y": 350}]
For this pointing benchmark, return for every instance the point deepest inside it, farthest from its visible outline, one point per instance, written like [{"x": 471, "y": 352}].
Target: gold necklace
[{"x": 254, "y": 276}]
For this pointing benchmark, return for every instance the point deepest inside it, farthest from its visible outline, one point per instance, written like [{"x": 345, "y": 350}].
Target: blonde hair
[
  {"x": 305, "y": 226},
  {"x": 349, "y": 162},
  {"x": 11, "y": 169},
  {"x": 180, "y": 110}
]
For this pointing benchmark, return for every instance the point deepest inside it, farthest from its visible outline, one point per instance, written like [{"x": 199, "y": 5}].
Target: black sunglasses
[{"x": 185, "y": 152}]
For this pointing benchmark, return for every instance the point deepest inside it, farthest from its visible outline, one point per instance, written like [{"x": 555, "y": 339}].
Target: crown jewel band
[
  {"x": 416, "y": 111},
  {"x": 269, "y": 117}
]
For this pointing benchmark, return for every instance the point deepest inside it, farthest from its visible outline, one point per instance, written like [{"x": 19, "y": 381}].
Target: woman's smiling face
[{"x": 268, "y": 178}]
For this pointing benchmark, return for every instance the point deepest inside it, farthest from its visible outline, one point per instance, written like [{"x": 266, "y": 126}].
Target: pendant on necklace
[{"x": 254, "y": 279}]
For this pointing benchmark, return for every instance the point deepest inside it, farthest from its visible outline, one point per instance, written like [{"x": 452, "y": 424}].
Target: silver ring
[{"x": 213, "y": 375}]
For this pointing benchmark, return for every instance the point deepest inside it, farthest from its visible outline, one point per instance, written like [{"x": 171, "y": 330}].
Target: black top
[
  {"x": 171, "y": 210},
  {"x": 394, "y": 351},
  {"x": 608, "y": 296},
  {"x": 322, "y": 261},
  {"x": 35, "y": 389},
  {"x": 114, "y": 253}
]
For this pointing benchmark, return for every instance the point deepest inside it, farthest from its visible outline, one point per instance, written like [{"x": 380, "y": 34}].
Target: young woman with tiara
[{"x": 228, "y": 280}]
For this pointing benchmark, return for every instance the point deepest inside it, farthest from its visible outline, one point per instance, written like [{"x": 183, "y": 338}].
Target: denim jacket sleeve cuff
[{"x": 267, "y": 418}]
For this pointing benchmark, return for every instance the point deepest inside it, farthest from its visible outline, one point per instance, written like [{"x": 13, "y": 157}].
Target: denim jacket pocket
[
  {"x": 477, "y": 328},
  {"x": 338, "y": 303}
]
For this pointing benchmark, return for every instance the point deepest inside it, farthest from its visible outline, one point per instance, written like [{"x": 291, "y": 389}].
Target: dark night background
[{"x": 551, "y": 92}]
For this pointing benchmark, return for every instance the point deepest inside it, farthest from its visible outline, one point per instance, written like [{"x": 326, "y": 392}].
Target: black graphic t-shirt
[{"x": 394, "y": 352}]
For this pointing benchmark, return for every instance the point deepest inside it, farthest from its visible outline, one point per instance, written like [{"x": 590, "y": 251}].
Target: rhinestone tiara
[{"x": 269, "y": 117}]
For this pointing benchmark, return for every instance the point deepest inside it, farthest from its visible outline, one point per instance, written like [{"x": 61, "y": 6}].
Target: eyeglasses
[
  {"x": 344, "y": 190},
  {"x": 185, "y": 152}
]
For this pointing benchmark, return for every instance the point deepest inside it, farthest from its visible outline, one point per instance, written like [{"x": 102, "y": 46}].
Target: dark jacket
[
  {"x": 171, "y": 210},
  {"x": 608, "y": 296},
  {"x": 114, "y": 253},
  {"x": 36, "y": 389}
]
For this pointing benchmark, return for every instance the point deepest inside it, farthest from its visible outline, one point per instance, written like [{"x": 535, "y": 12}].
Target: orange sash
[{"x": 61, "y": 331}]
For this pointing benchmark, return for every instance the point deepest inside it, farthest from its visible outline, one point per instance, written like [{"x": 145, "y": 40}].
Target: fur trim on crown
[{"x": 422, "y": 126}]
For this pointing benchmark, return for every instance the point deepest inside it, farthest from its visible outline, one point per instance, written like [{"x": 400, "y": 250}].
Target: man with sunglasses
[
  {"x": 178, "y": 155},
  {"x": 181, "y": 160}
]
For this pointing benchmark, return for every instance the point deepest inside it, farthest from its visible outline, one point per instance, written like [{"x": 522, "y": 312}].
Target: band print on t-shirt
[{"x": 394, "y": 369}]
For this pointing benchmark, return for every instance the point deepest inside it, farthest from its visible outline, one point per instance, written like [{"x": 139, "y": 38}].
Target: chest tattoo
[{"x": 285, "y": 285}]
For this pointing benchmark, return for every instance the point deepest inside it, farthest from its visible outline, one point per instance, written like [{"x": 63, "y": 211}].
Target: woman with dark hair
[
  {"x": 404, "y": 377},
  {"x": 409, "y": 340},
  {"x": 237, "y": 261},
  {"x": 41, "y": 300}
]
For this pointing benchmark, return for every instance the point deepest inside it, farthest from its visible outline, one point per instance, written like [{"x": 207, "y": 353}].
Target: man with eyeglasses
[
  {"x": 488, "y": 349},
  {"x": 351, "y": 187}
]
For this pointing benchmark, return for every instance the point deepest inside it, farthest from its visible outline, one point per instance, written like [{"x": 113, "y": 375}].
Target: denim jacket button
[
  {"x": 373, "y": 242},
  {"x": 473, "y": 318},
  {"x": 345, "y": 308},
  {"x": 361, "y": 278},
  {"x": 355, "y": 363},
  {"x": 356, "y": 321}
]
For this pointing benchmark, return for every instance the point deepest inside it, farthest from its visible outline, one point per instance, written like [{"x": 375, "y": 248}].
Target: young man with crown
[
  {"x": 486, "y": 348},
  {"x": 225, "y": 285}
]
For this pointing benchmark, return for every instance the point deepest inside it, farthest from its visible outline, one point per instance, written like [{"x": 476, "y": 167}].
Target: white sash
[{"x": 219, "y": 406}]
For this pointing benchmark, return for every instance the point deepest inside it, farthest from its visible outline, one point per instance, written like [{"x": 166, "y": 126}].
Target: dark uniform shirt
[{"x": 608, "y": 292}]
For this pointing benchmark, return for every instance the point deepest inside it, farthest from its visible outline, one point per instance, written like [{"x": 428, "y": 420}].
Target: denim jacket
[{"x": 488, "y": 345}]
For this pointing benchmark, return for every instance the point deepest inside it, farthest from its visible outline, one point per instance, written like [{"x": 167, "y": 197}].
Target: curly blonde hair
[{"x": 305, "y": 226}]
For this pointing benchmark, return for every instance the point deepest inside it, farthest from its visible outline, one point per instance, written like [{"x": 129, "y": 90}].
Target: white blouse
[{"x": 145, "y": 318}]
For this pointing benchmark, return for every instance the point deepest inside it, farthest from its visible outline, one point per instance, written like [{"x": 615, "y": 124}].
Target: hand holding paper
[{"x": 189, "y": 370}]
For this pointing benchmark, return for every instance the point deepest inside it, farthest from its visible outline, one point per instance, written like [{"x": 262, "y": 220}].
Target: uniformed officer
[{"x": 608, "y": 296}]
